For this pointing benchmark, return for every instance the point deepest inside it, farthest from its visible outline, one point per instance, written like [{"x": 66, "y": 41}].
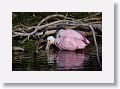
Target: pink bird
[{"x": 68, "y": 40}]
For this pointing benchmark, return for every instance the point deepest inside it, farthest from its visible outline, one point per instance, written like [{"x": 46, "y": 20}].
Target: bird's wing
[
  {"x": 59, "y": 33},
  {"x": 80, "y": 36},
  {"x": 65, "y": 43},
  {"x": 74, "y": 34}
]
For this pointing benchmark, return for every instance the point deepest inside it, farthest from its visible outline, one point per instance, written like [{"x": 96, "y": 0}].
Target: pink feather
[{"x": 70, "y": 40}]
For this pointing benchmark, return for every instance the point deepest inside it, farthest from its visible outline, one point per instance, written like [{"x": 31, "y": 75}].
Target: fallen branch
[
  {"x": 52, "y": 16},
  {"x": 53, "y": 25}
]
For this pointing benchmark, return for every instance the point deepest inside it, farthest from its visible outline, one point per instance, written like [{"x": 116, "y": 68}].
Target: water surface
[{"x": 58, "y": 60}]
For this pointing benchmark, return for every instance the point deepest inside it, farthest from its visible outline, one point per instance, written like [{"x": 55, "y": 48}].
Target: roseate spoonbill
[{"x": 67, "y": 40}]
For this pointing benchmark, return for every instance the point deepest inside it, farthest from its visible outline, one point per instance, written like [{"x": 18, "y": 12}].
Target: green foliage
[{"x": 33, "y": 18}]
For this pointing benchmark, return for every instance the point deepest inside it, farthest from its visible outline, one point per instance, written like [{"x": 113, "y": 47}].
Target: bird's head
[{"x": 50, "y": 40}]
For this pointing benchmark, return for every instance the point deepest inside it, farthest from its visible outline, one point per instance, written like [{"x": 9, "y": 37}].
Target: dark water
[{"x": 59, "y": 60}]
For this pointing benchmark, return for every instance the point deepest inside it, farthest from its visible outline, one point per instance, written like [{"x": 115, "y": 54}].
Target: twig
[
  {"x": 96, "y": 46},
  {"x": 24, "y": 40},
  {"x": 13, "y": 15},
  {"x": 94, "y": 15},
  {"x": 52, "y": 16}
]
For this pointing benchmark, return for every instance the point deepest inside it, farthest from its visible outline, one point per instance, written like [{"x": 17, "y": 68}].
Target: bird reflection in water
[{"x": 67, "y": 60}]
